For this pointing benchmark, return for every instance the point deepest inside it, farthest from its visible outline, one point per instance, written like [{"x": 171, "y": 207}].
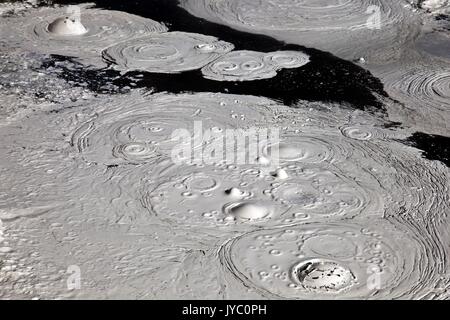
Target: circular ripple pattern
[
  {"x": 318, "y": 193},
  {"x": 167, "y": 52},
  {"x": 363, "y": 133},
  {"x": 428, "y": 91},
  {"x": 286, "y": 59},
  {"x": 251, "y": 65},
  {"x": 328, "y": 261},
  {"x": 135, "y": 152},
  {"x": 103, "y": 28},
  {"x": 143, "y": 130},
  {"x": 424, "y": 90},
  {"x": 301, "y": 148},
  {"x": 294, "y": 14}
]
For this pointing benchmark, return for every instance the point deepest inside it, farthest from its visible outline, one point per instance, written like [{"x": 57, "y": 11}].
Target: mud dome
[
  {"x": 67, "y": 26},
  {"x": 167, "y": 53}
]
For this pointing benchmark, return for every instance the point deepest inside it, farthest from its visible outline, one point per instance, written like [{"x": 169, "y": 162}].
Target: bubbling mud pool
[
  {"x": 364, "y": 25},
  {"x": 343, "y": 205},
  {"x": 325, "y": 260}
]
